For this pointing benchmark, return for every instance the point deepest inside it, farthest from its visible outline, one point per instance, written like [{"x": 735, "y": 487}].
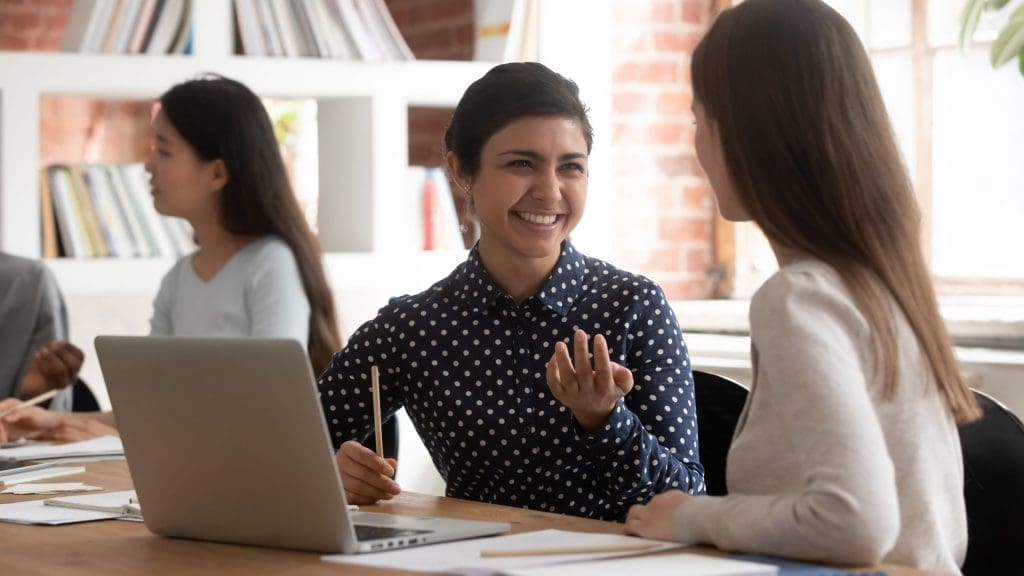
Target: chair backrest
[
  {"x": 82, "y": 398},
  {"x": 993, "y": 449},
  {"x": 719, "y": 404}
]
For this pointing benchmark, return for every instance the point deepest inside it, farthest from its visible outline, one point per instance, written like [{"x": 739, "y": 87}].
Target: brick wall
[
  {"x": 33, "y": 24},
  {"x": 435, "y": 30},
  {"x": 72, "y": 129},
  {"x": 665, "y": 227}
]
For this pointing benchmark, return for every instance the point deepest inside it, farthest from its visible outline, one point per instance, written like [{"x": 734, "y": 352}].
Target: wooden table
[{"x": 116, "y": 547}]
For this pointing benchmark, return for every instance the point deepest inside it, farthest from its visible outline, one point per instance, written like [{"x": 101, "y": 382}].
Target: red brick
[
  {"x": 14, "y": 42},
  {"x": 678, "y": 165},
  {"x": 659, "y": 134},
  {"x": 695, "y": 12},
  {"x": 645, "y": 11},
  {"x": 631, "y": 102},
  {"x": 636, "y": 42},
  {"x": 673, "y": 103},
  {"x": 674, "y": 41},
  {"x": 677, "y": 289},
  {"x": 697, "y": 197},
  {"x": 680, "y": 230},
  {"x": 24, "y": 22},
  {"x": 669, "y": 195},
  {"x": 648, "y": 72},
  {"x": 666, "y": 258},
  {"x": 698, "y": 259}
]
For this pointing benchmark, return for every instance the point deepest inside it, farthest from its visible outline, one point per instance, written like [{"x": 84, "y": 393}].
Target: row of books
[
  {"x": 342, "y": 29},
  {"x": 129, "y": 27},
  {"x": 97, "y": 210}
]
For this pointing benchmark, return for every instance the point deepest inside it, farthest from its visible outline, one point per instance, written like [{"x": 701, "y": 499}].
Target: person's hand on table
[
  {"x": 38, "y": 423},
  {"x": 655, "y": 519}
]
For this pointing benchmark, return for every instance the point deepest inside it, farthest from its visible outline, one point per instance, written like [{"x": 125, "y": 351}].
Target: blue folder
[{"x": 793, "y": 568}]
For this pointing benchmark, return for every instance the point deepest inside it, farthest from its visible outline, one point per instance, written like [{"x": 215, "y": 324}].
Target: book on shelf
[
  {"x": 49, "y": 223},
  {"x": 129, "y": 27},
  {"x": 431, "y": 222},
  {"x": 506, "y": 30},
  {"x": 98, "y": 210},
  {"x": 340, "y": 29}
]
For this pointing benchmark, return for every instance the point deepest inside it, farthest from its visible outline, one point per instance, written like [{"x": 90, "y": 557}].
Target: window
[{"x": 960, "y": 127}]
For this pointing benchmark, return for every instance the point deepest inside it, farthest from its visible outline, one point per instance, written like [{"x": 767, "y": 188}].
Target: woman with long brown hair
[
  {"x": 847, "y": 450},
  {"x": 257, "y": 271}
]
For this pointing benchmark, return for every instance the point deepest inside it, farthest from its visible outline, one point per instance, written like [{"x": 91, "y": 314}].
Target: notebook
[{"x": 226, "y": 441}]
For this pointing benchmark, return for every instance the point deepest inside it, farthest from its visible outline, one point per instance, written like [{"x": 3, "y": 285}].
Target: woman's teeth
[{"x": 538, "y": 218}]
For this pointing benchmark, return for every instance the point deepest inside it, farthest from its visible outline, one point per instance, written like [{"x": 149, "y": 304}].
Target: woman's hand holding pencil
[{"x": 366, "y": 475}]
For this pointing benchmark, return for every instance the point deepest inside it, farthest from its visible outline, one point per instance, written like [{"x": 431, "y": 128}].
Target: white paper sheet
[
  {"x": 35, "y": 512},
  {"x": 42, "y": 474},
  {"x": 682, "y": 564},
  {"x": 102, "y": 446},
  {"x": 49, "y": 488},
  {"x": 463, "y": 557}
]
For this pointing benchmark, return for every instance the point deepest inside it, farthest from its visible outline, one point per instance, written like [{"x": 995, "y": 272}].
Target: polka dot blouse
[{"x": 468, "y": 364}]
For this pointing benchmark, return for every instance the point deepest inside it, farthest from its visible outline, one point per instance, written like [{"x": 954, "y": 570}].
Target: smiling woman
[{"x": 481, "y": 361}]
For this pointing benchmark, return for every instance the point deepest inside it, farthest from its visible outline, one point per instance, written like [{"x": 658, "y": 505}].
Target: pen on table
[
  {"x": 375, "y": 381},
  {"x": 592, "y": 549},
  {"x": 30, "y": 402}
]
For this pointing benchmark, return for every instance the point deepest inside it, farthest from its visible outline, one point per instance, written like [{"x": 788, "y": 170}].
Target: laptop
[{"x": 226, "y": 441}]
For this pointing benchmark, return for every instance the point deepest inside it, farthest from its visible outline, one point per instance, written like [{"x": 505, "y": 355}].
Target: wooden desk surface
[{"x": 116, "y": 547}]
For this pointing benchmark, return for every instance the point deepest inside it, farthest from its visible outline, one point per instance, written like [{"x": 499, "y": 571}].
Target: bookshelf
[{"x": 362, "y": 125}]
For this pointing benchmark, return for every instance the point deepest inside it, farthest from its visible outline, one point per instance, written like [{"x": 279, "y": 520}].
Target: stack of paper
[
  {"x": 660, "y": 565},
  {"x": 35, "y": 512},
  {"x": 49, "y": 488},
  {"x": 104, "y": 447},
  {"x": 32, "y": 475}
]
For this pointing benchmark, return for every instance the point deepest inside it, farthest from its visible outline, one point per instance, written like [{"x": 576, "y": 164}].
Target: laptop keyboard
[{"x": 364, "y": 532}]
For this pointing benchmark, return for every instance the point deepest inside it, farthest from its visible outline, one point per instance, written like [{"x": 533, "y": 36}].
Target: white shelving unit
[{"x": 362, "y": 126}]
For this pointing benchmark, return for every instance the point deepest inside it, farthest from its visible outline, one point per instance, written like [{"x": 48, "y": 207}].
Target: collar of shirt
[{"x": 473, "y": 284}]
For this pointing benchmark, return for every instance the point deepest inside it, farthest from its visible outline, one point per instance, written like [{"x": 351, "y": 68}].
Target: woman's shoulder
[
  {"x": 439, "y": 295},
  {"x": 806, "y": 289},
  {"x": 270, "y": 247},
  {"x": 600, "y": 275},
  {"x": 801, "y": 276}
]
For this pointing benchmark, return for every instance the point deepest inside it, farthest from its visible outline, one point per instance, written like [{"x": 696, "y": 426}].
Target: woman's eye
[
  {"x": 521, "y": 163},
  {"x": 574, "y": 166}
]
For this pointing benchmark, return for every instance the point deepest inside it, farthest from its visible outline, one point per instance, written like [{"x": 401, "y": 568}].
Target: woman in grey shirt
[{"x": 257, "y": 272}]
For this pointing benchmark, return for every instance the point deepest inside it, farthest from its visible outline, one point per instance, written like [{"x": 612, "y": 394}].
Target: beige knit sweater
[{"x": 821, "y": 468}]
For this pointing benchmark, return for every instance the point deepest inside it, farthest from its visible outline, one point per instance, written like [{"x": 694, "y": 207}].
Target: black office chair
[
  {"x": 993, "y": 449},
  {"x": 82, "y": 398},
  {"x": 719, "y": 403}
]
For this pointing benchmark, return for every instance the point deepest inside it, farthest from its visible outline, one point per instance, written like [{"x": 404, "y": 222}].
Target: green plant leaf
[
  {"x": 1010, "y": 40},
  {"x": 995, "y": 4},
  {"x": 1020, "y": 62},
  {"x": 969, "y": 21}
]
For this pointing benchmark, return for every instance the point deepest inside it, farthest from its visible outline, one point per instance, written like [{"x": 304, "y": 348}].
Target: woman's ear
[
  {"x": 451, "y": 162},
  {"x": 219, "y": 175}
]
